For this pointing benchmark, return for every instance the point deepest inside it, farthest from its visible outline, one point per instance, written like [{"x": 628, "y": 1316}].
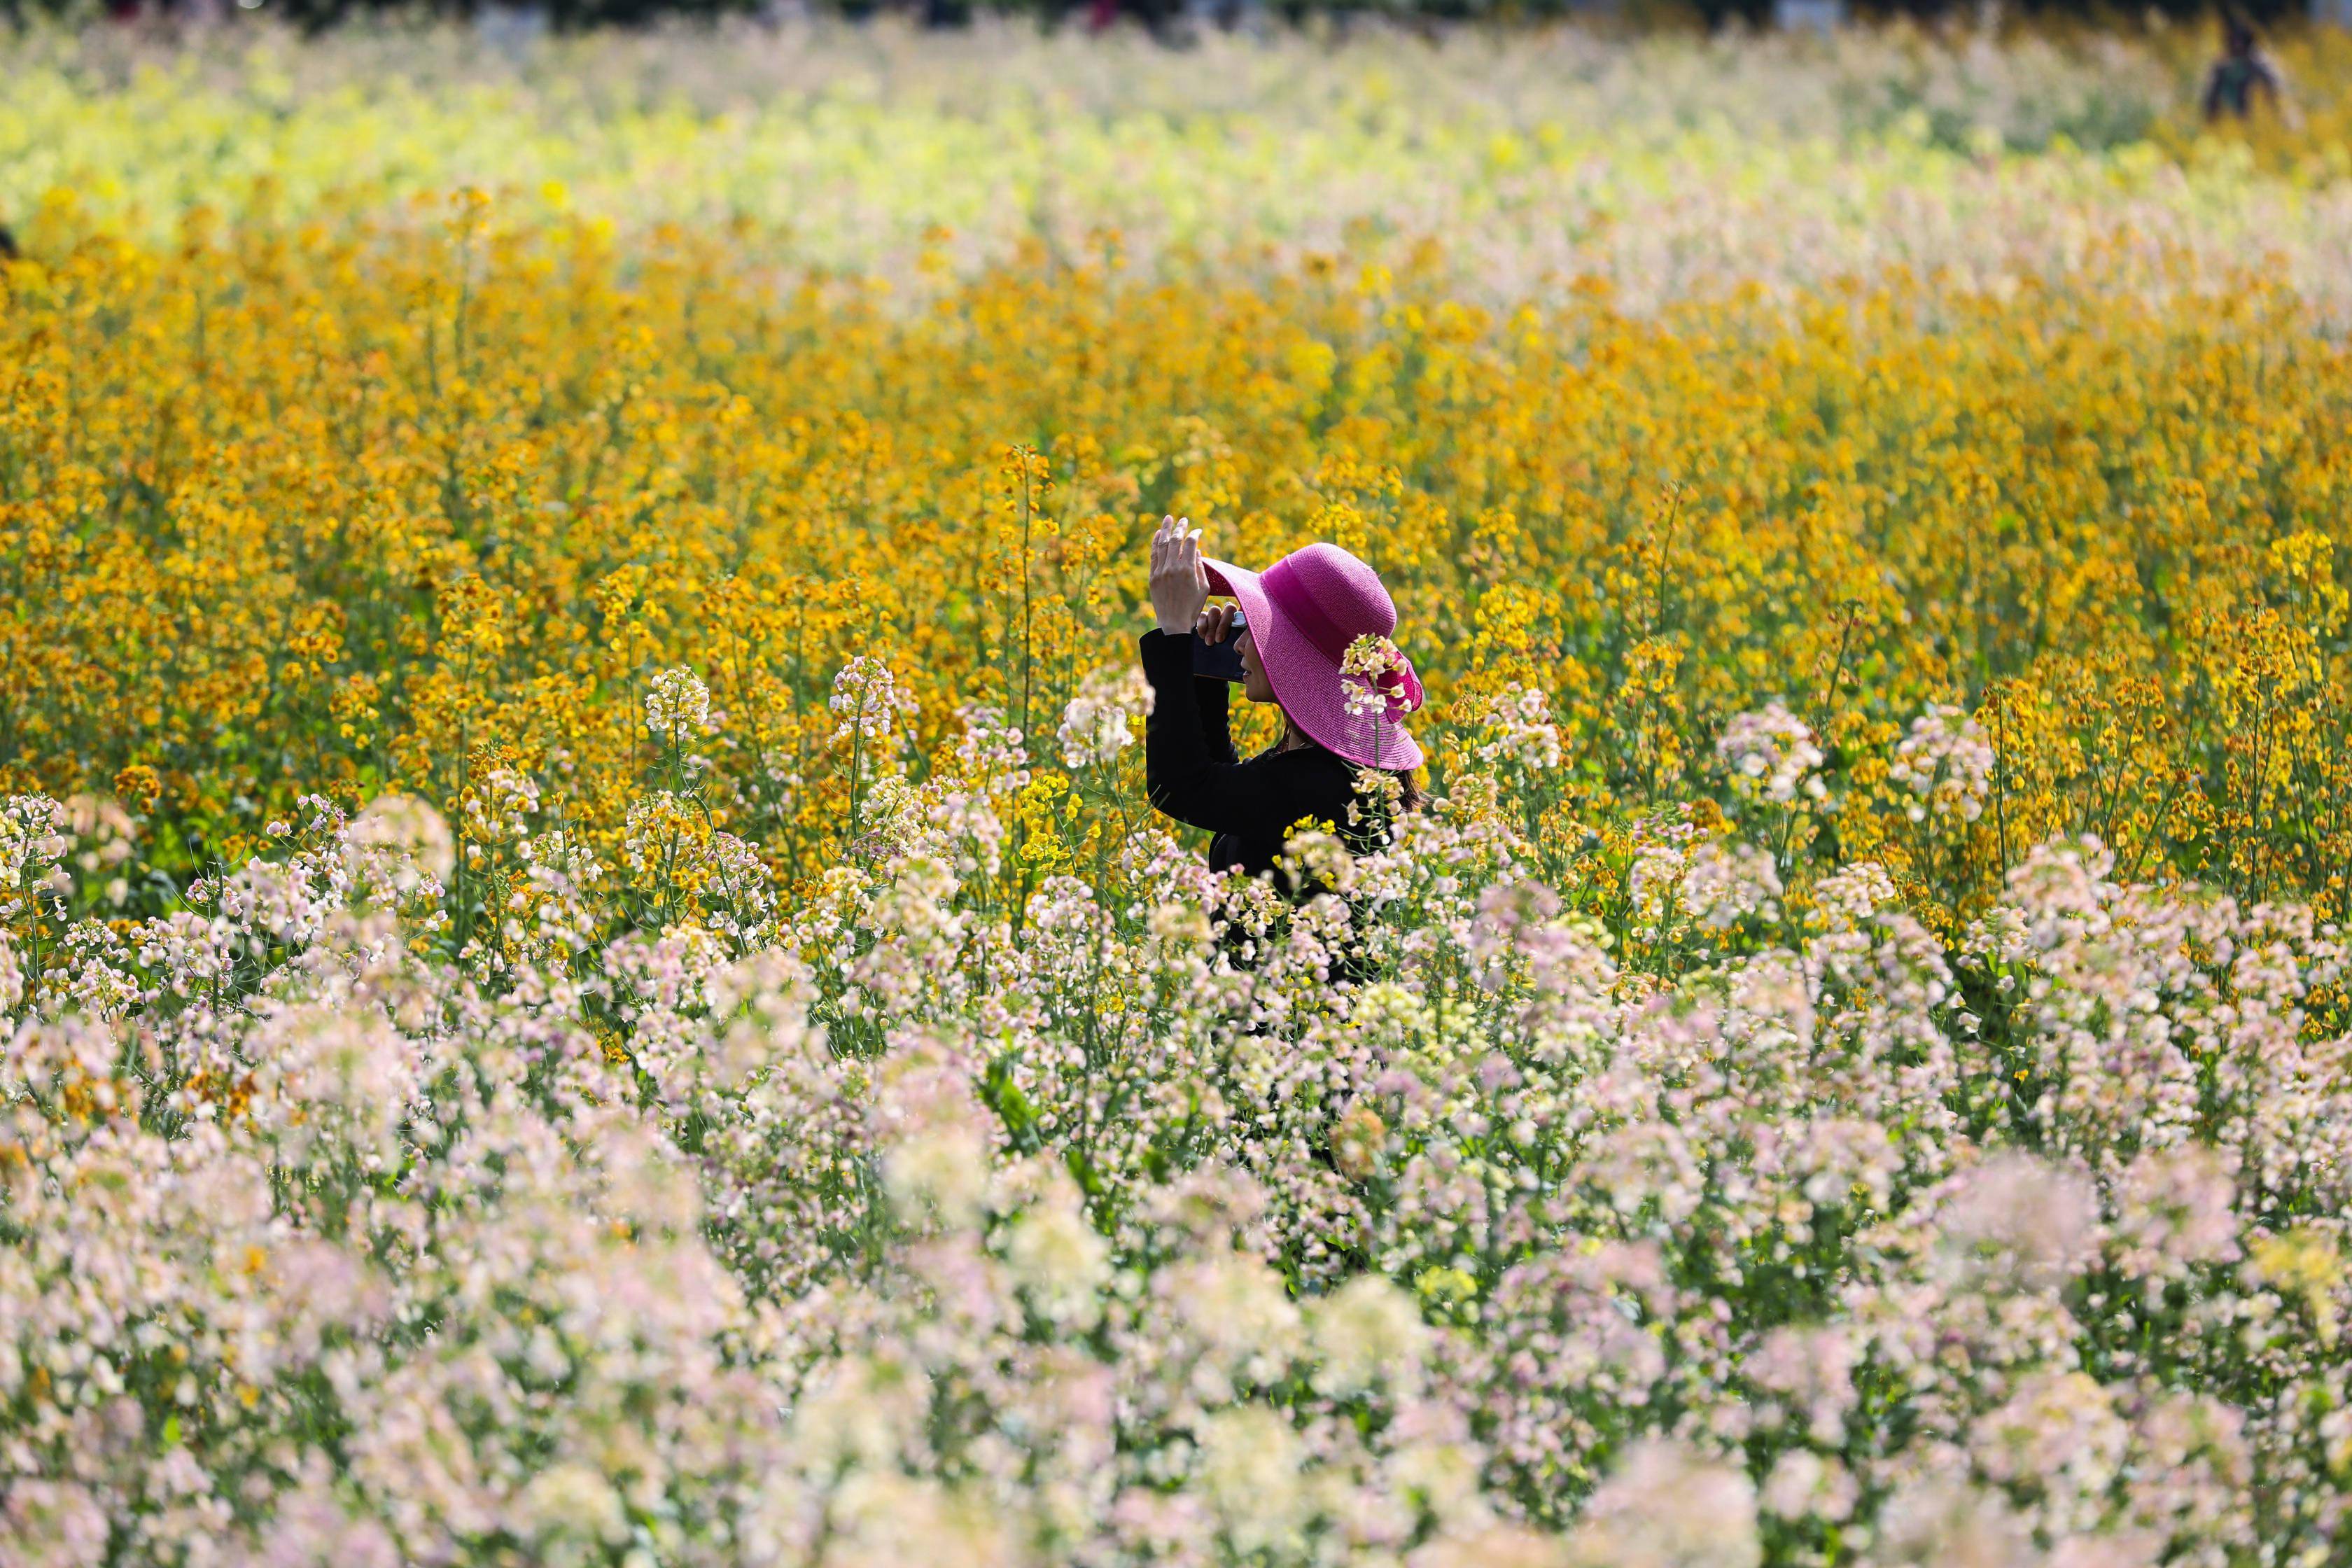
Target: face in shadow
[{"x": 1255, "y": 685}]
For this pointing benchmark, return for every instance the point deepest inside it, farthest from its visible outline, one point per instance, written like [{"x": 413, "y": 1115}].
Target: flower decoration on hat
[{"x": 1380, "y": 679}]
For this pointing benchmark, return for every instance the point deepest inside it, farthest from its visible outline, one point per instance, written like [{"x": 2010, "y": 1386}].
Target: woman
[{"x": 1314, "y": 630}]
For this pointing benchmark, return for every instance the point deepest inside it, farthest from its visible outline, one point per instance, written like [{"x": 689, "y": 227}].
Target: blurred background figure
[
  {"x": 1809, "y": 16},
  {"x": 1228, "y": 16},
  {"x": 2242, "y": 71},
  {"x": 514, "y": 30}
]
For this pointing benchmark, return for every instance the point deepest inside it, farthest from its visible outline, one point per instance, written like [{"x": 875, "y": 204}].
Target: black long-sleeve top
[{"x": 1192, "y": 772}]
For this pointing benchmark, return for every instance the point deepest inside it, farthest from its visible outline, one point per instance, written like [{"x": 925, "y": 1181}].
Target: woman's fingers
[
  {"x": 1176, "y": 551},
  {"x": 1188, "y": 550}
]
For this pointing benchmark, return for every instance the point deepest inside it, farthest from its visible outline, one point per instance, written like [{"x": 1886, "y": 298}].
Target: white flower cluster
[
  {"x": 32, "y": 840},
  {"x": 401, "y": 825},
  {"x": 1947, "y": 762},
  {"x": 1513, "y": 728},
  {"x": 867, "y": 702},
  {"x": 1773, "y": 757},
  {"x": 1099, "y": 722},
  {"x": 992, "y": 753},
  {"x": 678, "y": 706},
  {"x": 880, "y": 1223},
  {"x": 1723, "y": 885},
  {"x": 1847, "y": 898},
  {"x": 1368, "y": 662}
]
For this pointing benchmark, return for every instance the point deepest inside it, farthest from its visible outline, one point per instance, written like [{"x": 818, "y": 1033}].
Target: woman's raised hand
[{"x": 1180, "y": 584}]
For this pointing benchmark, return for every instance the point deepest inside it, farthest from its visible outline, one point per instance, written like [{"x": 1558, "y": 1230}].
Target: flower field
[{"x": 586, "y": 977}]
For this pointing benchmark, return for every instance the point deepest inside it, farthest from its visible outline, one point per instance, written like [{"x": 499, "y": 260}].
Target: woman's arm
[
  {"x": 1212, "y": 698},
  {"x": 1189, "y": 767}
]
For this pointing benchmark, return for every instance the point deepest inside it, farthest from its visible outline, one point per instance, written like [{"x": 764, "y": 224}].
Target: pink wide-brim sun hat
[{"x": 1302, "y": 614}]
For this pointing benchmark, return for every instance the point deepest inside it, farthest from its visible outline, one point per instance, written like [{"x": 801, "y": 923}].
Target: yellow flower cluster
[{"x": 361, "y": 507}]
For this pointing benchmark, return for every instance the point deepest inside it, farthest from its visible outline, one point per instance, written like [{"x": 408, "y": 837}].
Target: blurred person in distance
[{"x": 2244, "y": 70}]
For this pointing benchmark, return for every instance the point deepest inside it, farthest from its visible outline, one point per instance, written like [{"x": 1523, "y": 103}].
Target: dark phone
[{"x": 1220, "y": 660}]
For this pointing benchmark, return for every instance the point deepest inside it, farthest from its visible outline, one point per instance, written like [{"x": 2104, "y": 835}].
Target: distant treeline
[{"x": 1172, "y": 19}]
